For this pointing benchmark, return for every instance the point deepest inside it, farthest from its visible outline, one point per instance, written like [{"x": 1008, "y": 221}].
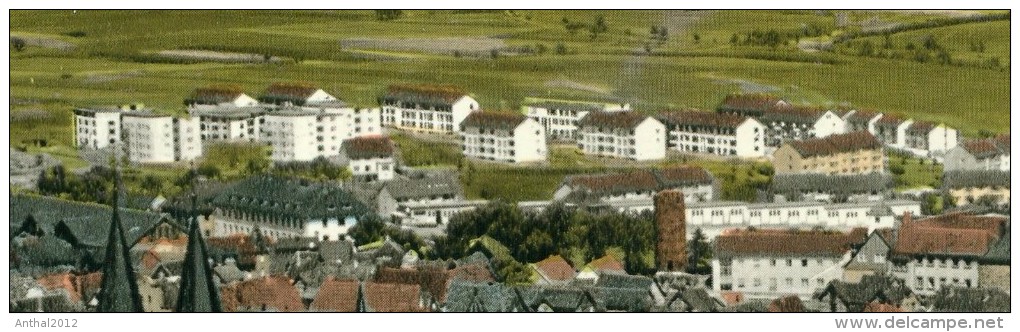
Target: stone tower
[{"x": 671, "y": 227}]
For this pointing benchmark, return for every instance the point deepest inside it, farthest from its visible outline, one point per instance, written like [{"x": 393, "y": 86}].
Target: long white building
[
  {"x": 561, "y": 118},
  {"x": 622, "y": 135},
  {"x": 153, "y": 138},
  {"x": 99, "y": 127},
  {"x": 703, "y": 132},
  {"x": 784, "y": 123},
  {"x": 426, "y": 108},
  {"x": 504, "y": 137}
]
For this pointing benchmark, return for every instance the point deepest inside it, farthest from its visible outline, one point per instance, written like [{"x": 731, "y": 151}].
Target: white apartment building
[
  {"x": 230, "y": 123},
  {"x": 622, "y": 135},
  {"x": 561, "y": 118},
  {"x": 718, "y": 134},
  {"x": 891, "y": 130},
  {"x": 370, "y": 157},
  {"x": 426, "y": 108},
  {"x": 861, "y": 120},
  {"x": 784, "y": 123},
  {"x": 504, "y": 137},
  {"x": 99, "y": 127},
  {"x": 928, "y": 139},
  {"x": 293, "y": 136},
  {"x": 769, "y": 263},
  {"x": 153, "y": 138}
]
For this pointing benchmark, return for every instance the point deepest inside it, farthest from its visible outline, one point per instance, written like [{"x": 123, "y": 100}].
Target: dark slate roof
[
  {"x": 288, "y": 92},
  {"x": 368, "y": 147},
  {"x": 46, "y": 251},
  {"x": 833, "y": 144},
  {"x": 792, "y": 114},
  {"x": 285, "y": 197},
  {"x": 119, "y": 290},
  {"x": 855, "y": 296},
  {"x": 435, "y": 185},
  {"x": 619, "y": 120},
  {"x": 560, "y": 299},
  {"x": 640, "y": 180},
  {"x": 845, "y": 184},
  {"x": 698, "y": 300},
  {"x": 198, "y": 291},
  {"x": 425, "y": 96},
  {"x": 701, "y": 119},
  {"x": 89, "y": 222},
  {"x": 975, "y": 179},
  {"x": 622, "y": 299},
  {"x": 613, "y": 280},
  {"x": 960, "y": 299},
  {"x": 998, "y": 253},
  {"x": 214, "y": 95},
  {"x": 229, "y": 273},
  {"x": 493, "y": 120},
  {"x": 466, "y": 296}
]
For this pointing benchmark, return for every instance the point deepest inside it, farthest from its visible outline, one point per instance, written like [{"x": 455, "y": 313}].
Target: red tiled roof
[
  {"x": 392, "y": 297},
  {"x": 833, "y": 144},
  {"x": 752, "y": 101},
  {"x": 921, "y": 127},
  {"x": 993, "y": 225},
  {"x": 214, "y": 94},
  {"x": 863, "y": 115},
  {"x": 787, "y": 242},
  {"x": 292, "y": 90},
  {"x": 448, "y": 93},
  {"x": 271, "y": 293},
  {"x": 921, "y": 240},
  {"x": 732, "y": 297},
  {"x": 701, "y": 119},
  {"x": 64, "y": 281},
  {"x": 432, "y": 279},
  {"x": 634, "y": 180},
  {"x": 240, "y": 243},
  {"x": 606, "y": 264},
  {"x": 987, "y": 147},
  {"x": 368, "y": 147},
  {"x": 792, "y": 113},
  {"x": 498, "y": 120},
  {"x": 336, "y": 295},
  {"x": 621, "y": 120},
  {"x": 1003, "y": 141},
  {"x": 556, "y": 268},
  {"x": 790, "y": 303},
  {"x": 472, "y": 273},
  {"x": 889, "y": 119}
]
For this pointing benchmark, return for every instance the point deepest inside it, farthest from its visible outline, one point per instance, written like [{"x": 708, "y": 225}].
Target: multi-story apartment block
[
  {"x": 426, "y": 108},
  {"x": 786, "y": 123},
  {"x": 99, "y": 127},
  {"x": 696, "y": 183},
  {"x": 979, "y": 154},
  {"x": 294, "y": 136},
  {"x": 768, "y": 263},
  {"x": 928, "y": 139},
  {"x": 560, "y": 118},
  {"x": 622, "y": 135},
  {"x": 284, "y": 207},
  {"x": 749, "y": 105},
  {"x": 153, "y": 138},
  {"x": 219, "y": 95},
  {"x": 853, "y": 153},
  {"x": 505, "y": 137},
  {"x": 230, "y": 123},
  {"x": 944, "y": 251},
  {"x": 714, "y": 133},
  {"x": 370, "y": 157}
]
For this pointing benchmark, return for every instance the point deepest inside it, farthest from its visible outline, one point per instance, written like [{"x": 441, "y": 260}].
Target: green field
[{"x": 113, "y": 61}]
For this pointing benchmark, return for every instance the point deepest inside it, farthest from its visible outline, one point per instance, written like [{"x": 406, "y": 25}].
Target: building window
[
  {"x": 789, "y": 262},
  {"x": 803, "y": 262}
]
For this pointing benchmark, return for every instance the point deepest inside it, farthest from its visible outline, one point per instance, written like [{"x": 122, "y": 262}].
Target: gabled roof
[
  {"x": 618, "y": 120},
  {"x": 89, "y": 222},
  {"x": 890, "y": 120},
  {"x": 855, "y": 296},
  {"x": 270, "y": 293},
  {"x": 921, "y": 127},
  {"x": 336, "y": 295},
  {"x": 45, "y": 251},
  {"x": 792, "y": 114},
  {"x": 697, "y": 299},
  {"x": 702, "y": 119},
  {"x": 999, "y": 253},
  {"x": 775, "y": 242},
  {"x": 622, "y": 299},
  {"x": 748, "y": 102},
  {"x": 961, "y": 299},
  {"x": 369, "y": 147},
  {"x": 941, "y": 241},
  {"x": 559, "y": 299},
  {"x": 430, "y": 279},
  {"x": 423, "y": 94},
  {"x": 834, "y": 144},
  {"x": 467, "y": 296},
  {"x": 959, "y": 220},
  {"x": 606, "y": 263},
  {"x": 987, "y": 147},
  {"x": 392, "y": 297},
  {"x": 862, "y": 116},
  {"x": 214, "y": 94},
  {"x": 296, "y": 93},
  {"x": 555, "y": 268},
  {"x": 493, "y": 120}
]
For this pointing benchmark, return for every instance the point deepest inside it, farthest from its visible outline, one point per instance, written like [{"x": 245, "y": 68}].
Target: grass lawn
[{"x": 916, "y": 175}]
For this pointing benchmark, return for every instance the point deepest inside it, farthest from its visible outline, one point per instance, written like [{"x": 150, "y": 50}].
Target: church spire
[
  {"x": 119, "y": 292},
  {"x": 198, "y": 292}
]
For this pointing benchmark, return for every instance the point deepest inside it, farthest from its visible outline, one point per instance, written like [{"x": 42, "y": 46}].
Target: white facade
[
  {"x": 97, "y": 128},
  {"x": 240, "y": 100},
  {"x": 524, "y": 142},
  {"x": 645, "y": 141},
  {"x": 331, "y": 229},
  {"x": 829, "y": 124},
  {"x": 382, "y": 169},
  {"x": 745, "y": 140},
  {"x": 437, "y": 118},
  {"x": 935, "y": 143},
  {"x": 766, "y": 276},
  {"x": 293, "y": 137},
  {"x": 161, "y": 139},
  {"x": 925, "y": 276},
  {"x": 229, "y": 123},
  {"x": 434, "y": 213},
  {"x": 560, "y": 119}
]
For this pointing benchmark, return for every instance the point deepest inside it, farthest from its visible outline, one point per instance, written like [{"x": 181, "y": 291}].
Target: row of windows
[
  {"x": 804, "y": 283},
  {"x": 919, "y": 283},
  {"x": 772, "y": 213}
]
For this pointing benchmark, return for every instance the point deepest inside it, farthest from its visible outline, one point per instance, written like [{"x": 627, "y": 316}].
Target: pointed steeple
[
  {"x": 119, "y": 292},
  {"x": 198, "y": 292}
]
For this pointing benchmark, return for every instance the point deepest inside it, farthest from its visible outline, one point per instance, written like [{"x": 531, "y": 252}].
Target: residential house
[
  {"x": 503, "y": 137},
  {"x": 426, "y": 108},
  {"x": 830, "y": 188},
  {"x": 983, "y": 187},
  {"x": 561, "y": 118},
  {"x": 872, "y": 258},
  {"x": 426, "y": 199},
  {"x": 929, "y": 139},
  {"x": 337, "y": 295},
  {"x": 553, "y": 270},
  {"x": 625, "y": 135},
  {"x": 787, "y": 123},
  {"x": 317, "y": 210},
  {"x": 218, "y": 94},
  {"x": 891, "y": 130},
  {"x": 154, "y": 138},
  {"x": 392, "y": 297},
  {"x": 749, "y": 104},
  {"x": 986, "y": 154},
  {"x": 843, "y": 296},
  {"x": 861, "y": 120},
  {"x": 98, "y": 127},
  {"x": 702, "y": 132},
  {"x": 605, "y": 264},
  {"x": 370, "y": 157},
  {"x": 263, "y": 294},
  {"x": 615, "y": 189},
  {"x": 943, "y": 251},
  {"x": 852, "y": 153},
  {"x": 767, "y": 263}
]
